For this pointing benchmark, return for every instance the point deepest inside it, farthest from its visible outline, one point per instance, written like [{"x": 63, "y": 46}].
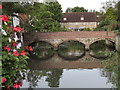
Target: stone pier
[{"x": 118, "y": 42}]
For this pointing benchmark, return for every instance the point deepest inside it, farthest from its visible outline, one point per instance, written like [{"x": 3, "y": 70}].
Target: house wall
[{"x": 90, "y": 25}]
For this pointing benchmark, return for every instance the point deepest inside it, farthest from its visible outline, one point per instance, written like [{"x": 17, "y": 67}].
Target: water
[
  {"x": 72, "y": 78},
  {"x": 59, "y": 71}
]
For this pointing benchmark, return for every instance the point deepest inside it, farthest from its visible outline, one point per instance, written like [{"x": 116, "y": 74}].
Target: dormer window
[
  {"x": 82, "y": 18},
  {"x": 64, "y": 19}
]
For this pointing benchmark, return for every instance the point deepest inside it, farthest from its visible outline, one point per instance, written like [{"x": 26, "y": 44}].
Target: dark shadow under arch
[
  {"x": 37, "y": 51},
  {"x": 96, "y": 42},
  {"x": 66, "y": 45},
  {"x": 71, "y": 41},
  {"x": 41, "y": 42}
]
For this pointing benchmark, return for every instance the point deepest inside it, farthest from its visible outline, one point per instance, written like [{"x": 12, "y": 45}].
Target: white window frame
[
  {"x": 82, "y": 18},
  {"x": 64, "y": 19}
]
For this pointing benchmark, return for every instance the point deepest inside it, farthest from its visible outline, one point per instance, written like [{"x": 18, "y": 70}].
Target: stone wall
[{"x": 90, "y": 25}]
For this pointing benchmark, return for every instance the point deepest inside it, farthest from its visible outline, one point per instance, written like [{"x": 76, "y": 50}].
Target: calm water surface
[{"x": 71, "y": 66}]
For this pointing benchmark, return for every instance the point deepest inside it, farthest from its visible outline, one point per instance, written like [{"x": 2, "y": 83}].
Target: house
[{"x": 79, "y": 20}]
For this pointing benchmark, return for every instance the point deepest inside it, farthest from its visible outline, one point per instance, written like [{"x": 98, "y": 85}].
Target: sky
[{"x": 87, "y": 4}]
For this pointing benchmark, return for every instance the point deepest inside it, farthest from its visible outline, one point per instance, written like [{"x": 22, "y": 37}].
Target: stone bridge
[{"x": 56, "y": 38}]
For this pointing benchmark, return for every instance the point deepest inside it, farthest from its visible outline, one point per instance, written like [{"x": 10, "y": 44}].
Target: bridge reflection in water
[
  {"x": 85, "y": 72},
  {"x": 69, "y": 55},
  {"x": 86, "y": 62}
]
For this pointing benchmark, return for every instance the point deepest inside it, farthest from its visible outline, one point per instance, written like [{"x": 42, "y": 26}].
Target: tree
[
  {"x": 77, "y": 9},
  {"x": 108, "y": 4},
  {"x": 56, "y": 9},
  {"x": 15, "y": 7},
  {"x": 118, "y": 11},
  {"x": 68, "y": 10},
  {"x": 40, "y": 19},
  {"x": 111, "y": 14},
  {"x": 44, "y": 17}
]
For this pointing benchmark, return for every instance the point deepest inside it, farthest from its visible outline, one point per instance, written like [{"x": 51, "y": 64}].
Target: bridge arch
[{"x": 69, "y": 41}]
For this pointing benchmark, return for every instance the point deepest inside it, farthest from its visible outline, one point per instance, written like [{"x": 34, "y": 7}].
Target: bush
[{"x": 13, "y": 58}]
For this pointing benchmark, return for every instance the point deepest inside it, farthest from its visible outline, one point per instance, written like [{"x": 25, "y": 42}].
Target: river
[{"x": 71, "y": 66}]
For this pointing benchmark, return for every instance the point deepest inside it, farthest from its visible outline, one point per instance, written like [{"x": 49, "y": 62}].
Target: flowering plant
[{"x": 14, "y": 59}]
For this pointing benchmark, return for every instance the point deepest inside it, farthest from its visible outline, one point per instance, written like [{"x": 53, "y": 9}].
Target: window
[
  {"x": 64, "y": 19},
  {"x": 82, "y": 18}
]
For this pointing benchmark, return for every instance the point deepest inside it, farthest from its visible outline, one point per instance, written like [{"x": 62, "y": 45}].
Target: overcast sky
[{"x": 87, "y": 4}]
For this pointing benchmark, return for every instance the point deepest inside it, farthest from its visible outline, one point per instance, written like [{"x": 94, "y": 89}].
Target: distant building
[{"x": 79, "y": 20}]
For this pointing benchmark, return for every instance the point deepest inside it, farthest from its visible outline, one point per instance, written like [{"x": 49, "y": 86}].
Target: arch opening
[
  {"x": 100, "y": 50},
  {"x": 71, "y": 50},
  {"x": 42, "y": 50}
]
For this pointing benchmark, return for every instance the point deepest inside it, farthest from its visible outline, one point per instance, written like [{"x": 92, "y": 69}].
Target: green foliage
[
  {"x": 56, "y": 9},
  {"x": 104, "y": 23},
  {"x": 42, "y": 50},
  {"x": 12, "y": 65},
  {"x": 43, "y": 17},
  {"x": 111, "y": 14},
  {"x": 112, "y": 66},
  {"x": 68, "y": 10},
  {"x": 77, "y": 9},
  {"x": 118, "y": 11},
  {"x": 86, "y": 29},
  {"x": 15, "y": 7},
  {"x": 110, "y": 19}
]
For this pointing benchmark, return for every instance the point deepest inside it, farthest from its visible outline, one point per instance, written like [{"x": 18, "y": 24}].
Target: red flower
[
  {"x": 0, "y": 6},
  {"x": 17, "y": 85},
  {"x": 29, "y": 48},
  {"x": 14, "y": 44},
  {"x": 7, "y": 48},
  {"x": 20, "y": 84},
  {"x": 23, "y": 52},
  {"x": 4, "y": 18},
  {"x": 17, "y": 29},
  {"x": 15, "y": 53},
  {"x": 4, "y": 80}
]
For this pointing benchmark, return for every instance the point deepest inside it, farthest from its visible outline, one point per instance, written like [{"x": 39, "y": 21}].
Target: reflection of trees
[
  {"x": 72, "y": 45},
  {"x": 107, "y": 74},
  {"x": 100, "y": 50},
  {"x": 53, "y": 76},
  {"x": 98, "y": 46},
  {"x": 34, "y": 76},
  {"x": 111, "y": 70},
  {"x": 42, "y": 50},
  {"x": 71, "y": 49}
]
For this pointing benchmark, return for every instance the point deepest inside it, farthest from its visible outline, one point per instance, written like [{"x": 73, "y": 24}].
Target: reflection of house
[{"x": 79, "y": 20}]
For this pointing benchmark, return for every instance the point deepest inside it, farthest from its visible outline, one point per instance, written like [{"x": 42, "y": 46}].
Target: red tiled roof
[{"x": 76, "y": 17}]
